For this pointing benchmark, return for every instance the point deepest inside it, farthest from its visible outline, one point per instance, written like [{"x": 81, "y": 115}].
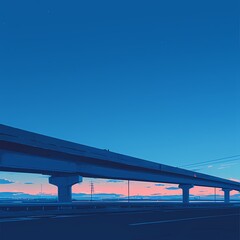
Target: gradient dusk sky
[{"x": 158, "y": 80}]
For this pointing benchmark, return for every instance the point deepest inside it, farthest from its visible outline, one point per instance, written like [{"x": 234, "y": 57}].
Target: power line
[
  {"x": 209, "y": 161},
  {"x": 218, "y": 160}
]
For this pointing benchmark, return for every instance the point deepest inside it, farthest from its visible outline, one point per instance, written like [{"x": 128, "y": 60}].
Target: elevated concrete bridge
[{"x": 67, "y": 163}]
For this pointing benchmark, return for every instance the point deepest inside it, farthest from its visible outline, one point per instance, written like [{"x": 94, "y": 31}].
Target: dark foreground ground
[{"x": 165, "y": 224}]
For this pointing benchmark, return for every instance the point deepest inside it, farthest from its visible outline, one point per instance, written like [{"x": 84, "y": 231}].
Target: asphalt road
[{"x": 166, "y": 224}]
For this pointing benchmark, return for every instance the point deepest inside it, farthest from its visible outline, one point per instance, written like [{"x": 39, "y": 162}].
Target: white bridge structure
[{"x": 67, "y": 162}]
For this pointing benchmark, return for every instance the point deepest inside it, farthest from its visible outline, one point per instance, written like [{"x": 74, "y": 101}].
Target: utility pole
[
  {"x": 215, "y": 196},
  {"x": 128, "y": 190},
  {"x": 92, "y": 189}
]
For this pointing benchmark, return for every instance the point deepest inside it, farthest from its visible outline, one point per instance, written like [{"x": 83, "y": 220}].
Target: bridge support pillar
[
  {"x": 185, "y": 191},
  {"x": 226, "y": 195},
  {"x": 64, "y": 184}
]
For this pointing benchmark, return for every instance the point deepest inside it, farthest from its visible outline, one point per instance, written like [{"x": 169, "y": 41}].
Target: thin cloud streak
[{"x": 6, "y": 181}]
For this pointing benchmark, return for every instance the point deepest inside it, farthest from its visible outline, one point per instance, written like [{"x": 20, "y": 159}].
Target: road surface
[{"x": 165, "y": 224}]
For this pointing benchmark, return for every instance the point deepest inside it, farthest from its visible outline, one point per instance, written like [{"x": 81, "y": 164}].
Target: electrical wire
[{"x": 214, "y": 161}]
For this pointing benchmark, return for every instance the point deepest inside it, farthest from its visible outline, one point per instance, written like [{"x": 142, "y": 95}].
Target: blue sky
[{"x": 157, "y": 80}]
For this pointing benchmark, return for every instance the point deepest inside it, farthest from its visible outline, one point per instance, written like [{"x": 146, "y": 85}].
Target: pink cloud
[{"x": 102, "y": 186}]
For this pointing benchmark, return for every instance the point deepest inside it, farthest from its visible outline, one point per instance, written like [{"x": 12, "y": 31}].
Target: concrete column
[
  {"x": 226, "y": 195},
  {"x": 185, "y": 191},
  {"x": 64, "y": 184}
]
